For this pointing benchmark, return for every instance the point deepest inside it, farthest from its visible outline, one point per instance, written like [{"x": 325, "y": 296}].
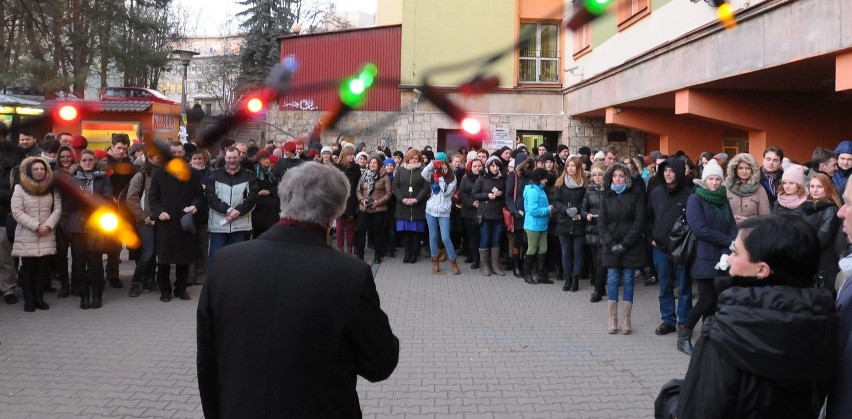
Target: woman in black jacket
[
  {"x": 345, "y": 225},
  {"x": 590, "y": 209},
  {"x": 516, "y": 181},
  {"x": 567, "y": 199},
  {"x": 411, "y": 192},
  {"x": 87, "y": 266},
  {"x": 469, "y": 209},
  {"x": 620, "y": 224},
  {"x": 770, "y": 350},
  {"x": 820, "y": 212},
  {"x": 489, "y": 190}
]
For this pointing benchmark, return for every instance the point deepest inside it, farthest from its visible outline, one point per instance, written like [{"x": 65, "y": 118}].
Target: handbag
[
  {"x": 508, "y": 218},
  {"x": 682, "y": 241},
  {"x": 11, "y": 225}
]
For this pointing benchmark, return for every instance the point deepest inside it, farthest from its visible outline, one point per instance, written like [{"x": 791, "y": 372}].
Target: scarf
[
  {"x": 369, "y": 178},
  {"x": 771, "y": 180},
  {"x": 718, "y": 199},
  {"x": 409, "y": 166},
  {"x": 572, "y": 184},
  {"x": 619, "y": 189},
  {"x": 89, "y": 178},
  {"x": 740, "y": 188},
  {"x": 265, "y": 173},
  {"x": 792, "y": 201}
]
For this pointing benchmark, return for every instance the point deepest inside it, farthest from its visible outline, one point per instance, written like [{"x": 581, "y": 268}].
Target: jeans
[
  {"x": 444, "y": 223},
  {"x": 489, "y": 233},
  {"x": 667, "y": 273},
  {"x": 572, "y": 253},
  {"x": 220, "y": 240},
  {"x": 146, "y": 255},
  {"x": 614, "y": 276}
]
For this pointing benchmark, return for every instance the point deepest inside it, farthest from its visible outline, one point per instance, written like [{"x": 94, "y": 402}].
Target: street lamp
[{"x": 185, "y": 58}]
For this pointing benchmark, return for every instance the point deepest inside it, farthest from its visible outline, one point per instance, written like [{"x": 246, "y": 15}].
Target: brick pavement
[{"x": 471, "y": 346}]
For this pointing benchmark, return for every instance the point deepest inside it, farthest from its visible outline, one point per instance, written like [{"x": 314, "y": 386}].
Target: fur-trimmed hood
[
  {"x": 732, "y": 169},
  {"x": 607, "y": 181},
  {"x": 30, "y": 185}
]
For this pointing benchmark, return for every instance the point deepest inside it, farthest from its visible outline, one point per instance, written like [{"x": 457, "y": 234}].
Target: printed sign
[
  {"x": 501, "y": 138},
  {"x": 164, "y": 123}
]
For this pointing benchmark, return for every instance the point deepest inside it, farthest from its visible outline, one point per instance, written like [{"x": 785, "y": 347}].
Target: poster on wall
[{"x": 501, "y": 138}]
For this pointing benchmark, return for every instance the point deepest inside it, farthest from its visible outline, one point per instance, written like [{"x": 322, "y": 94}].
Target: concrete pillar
[
  {"x": 843, "y": 72},
  {"x": 674, "y": 132}
]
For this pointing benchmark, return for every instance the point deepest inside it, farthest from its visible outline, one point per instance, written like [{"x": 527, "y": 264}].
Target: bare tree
[{"x": 322, "y": 16}]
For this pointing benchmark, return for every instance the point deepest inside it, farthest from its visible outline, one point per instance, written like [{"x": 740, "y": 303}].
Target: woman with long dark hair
[
  {"x": 488, "y": 192},
  {"x": 470, "y": 209},
  {"x": 374, "y": 192},
  {"x": 268, "y": 206},
  {"x": 345, "y": 224},
  {"x": 410, "y": 191}
]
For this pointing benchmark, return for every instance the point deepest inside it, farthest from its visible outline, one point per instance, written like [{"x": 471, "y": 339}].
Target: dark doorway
[{"x": 532, "y": 139}]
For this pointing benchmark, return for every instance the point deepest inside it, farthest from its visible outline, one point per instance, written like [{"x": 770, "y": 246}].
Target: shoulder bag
[
  {"x": 508, "y": 218},
  {"x": 682, "y": 241}
]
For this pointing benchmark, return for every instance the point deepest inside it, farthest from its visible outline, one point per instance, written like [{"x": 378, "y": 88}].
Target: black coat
[
  {"x": 353, "y": 173},
  {"x": 267, "y": 210},
  {"x": 466, "y": 198},
  {"x": 490, "y": 209},
  {"x": 276, "y": 342},
  {"x": 515, "y": 184},
  {"x": 769, "y": 352},
  {"x": 712, "y": 235},
  {"x": 410, "y": 184},
  {"x": 621, "y": 221},
  {"x": 822, "y": 216},
  {"x": 170, "y": 195},
  {"x": 592, "y": 205},
  {"x": 562, "y": 198},
  {"x": 665, "y": 206}
]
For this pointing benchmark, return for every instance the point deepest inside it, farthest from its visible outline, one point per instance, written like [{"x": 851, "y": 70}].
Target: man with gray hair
[{"x": 276, "y": 342}]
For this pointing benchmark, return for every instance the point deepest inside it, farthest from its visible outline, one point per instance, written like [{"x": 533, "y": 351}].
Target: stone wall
[{"x": 592, "y": 132}]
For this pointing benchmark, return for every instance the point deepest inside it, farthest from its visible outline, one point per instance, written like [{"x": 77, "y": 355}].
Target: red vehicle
[{"x": 135, "y": 94}]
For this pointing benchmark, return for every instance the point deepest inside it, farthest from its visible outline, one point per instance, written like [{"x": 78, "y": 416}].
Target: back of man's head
[{"x": 313, "y": 193}]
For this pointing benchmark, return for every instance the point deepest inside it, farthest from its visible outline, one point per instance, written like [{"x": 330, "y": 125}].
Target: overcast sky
[{"x": 211, "y": 14}]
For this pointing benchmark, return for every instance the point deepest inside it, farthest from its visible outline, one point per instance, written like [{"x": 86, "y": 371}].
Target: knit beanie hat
[
  {"x": 845, "y": 147},
  {"x": 289, "y": 146},
  {"x": 361, "y": 153},
  {"x": 471, "y": 155},
  {"x": 599, "y": 156},
  {"x": 546, "y": 156},
  {"x": 429, "y": 154},
  {"x": 538, "y": 174},
  {"x": 520, "y": 158},
  {"x": 389, "y": 161},
  {"x": 326, "y": 150},
  {"x": 795, "y": 173},
  {"x": 441, "y": 156},
  {"x": 712, "y": 168}
]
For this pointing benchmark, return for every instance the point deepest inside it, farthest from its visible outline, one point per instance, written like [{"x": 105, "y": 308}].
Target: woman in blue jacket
[{"x": 537, "y": 214}]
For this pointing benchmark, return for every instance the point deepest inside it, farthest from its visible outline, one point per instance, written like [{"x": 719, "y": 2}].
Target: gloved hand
[
  {"x": 618, "y": 250},
  {"x": 520, "y": 213},
  {"x": 723, "y": 264},
  {"x": 571, "y": 212}
]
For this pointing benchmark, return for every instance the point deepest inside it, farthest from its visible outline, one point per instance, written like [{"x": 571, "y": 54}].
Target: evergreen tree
[{"x": 264, "y": 21}]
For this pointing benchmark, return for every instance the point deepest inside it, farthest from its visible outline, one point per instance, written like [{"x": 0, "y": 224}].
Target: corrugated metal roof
[
  {"x": 326, "y": 59},
  {"x": 15, "y": 100},
  {"x": 124, "y": 106}
]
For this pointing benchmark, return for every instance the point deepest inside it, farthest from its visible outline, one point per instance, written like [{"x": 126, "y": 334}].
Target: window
[
  {"x": 630, "y": 11},
  {"x": 539, "y": 58},
  {"x": 583, "y": 40}
]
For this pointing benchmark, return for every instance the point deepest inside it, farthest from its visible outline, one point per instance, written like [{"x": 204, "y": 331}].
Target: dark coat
[
  {"x": 10, "y": 157},
  {"x": 514, "y": 204},
  {"x": 822, "y": 216},
  {"x": 353, "y": 173},
  {"x": 839, "y": 402},
  {"x": 170, "y": 195},
  {"x": 77, "y": 215},
  {"x": 276, "y": 342},
  {"x": 665, "y": 206},
  {"x": 490, "y": 209},
  {"x": 713, "y": 236},
  {"x": 468, "y": 211},
  {"x": 410, "y": 184},
  {"x": 778, "y": 209},
  {"x": 767, "y": 353},
  {"x": 592, "y": 205},
  {"x": 621, "y": 221},
  {"x": 562, "y": 198},
  {"x": 267, "y": 209}
]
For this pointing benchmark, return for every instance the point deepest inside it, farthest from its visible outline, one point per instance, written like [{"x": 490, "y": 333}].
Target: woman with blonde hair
[
  {"x": 745, "y": 194},
  {"x": 567, "y": 199},
  {"x": 820, "y": 212},
  {"x": 792, "y": 194}
]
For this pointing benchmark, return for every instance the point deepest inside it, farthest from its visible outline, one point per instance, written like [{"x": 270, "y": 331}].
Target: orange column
[{"x": 843, "y": 72}]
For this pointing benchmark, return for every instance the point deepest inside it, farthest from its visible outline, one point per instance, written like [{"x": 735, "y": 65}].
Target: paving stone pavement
[{"x": 471, "y": 347}]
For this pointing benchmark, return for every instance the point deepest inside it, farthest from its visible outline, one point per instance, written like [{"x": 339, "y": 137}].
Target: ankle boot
[
  {"x": 542, "y": 269},
  {"x": 684, "y": 340},
  {"x": 455, "y": 267},
  {"x": 436, "y": 266},
  {"x": 85, "y": 298},
  {"x": 97, "y": 296},
  {"x": 39, "y": 297},
  {"x": 613, "y": 317},
  {"x": 495, "y": 262},
  {"x": 626, "y": 308},
  {"x": 529, "y": 260},
  {"x": 516, "y": 266},
  {"x": 484, "y": 261},
  {"x": 575, "y": 283},
  {"x": 567, "y": 278},
  {"x": 477, "y": 259},
  {"x": 560, "y": 272},
  {"x": 64, "y": 288},
  {"x": 29, "y": 295}
]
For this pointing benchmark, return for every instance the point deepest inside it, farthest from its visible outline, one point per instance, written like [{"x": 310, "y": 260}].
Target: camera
[{"x": 369, "y": 201}]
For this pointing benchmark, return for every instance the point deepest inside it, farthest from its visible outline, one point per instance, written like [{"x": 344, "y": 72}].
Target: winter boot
[
  {"x": 684, "y": 340},
  {"x": 85, "y": 297},
  {"x": 477, "y": 259},
  {"x": 97, "y": 296},
  {"x": 38, "y": 296},
  {"x": 567, "y": 278},
  {"x": 575, "y": 283},
  {"x": 495, "y": 262},
  {"x": 560, "y": 272},
  {"x": 542, "y": 269},
  {"x": 529, "y": 260},
  {"x": 626, "y": 308},
  {"x": 484, "y": 261},
  {"x": 455, "y": 267},
  {"x": 64, "y": 288},
  {"x": 516, "y": 266},
  {"x": 613, "y": 317},
  {"x": 29, "y": 294}
]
